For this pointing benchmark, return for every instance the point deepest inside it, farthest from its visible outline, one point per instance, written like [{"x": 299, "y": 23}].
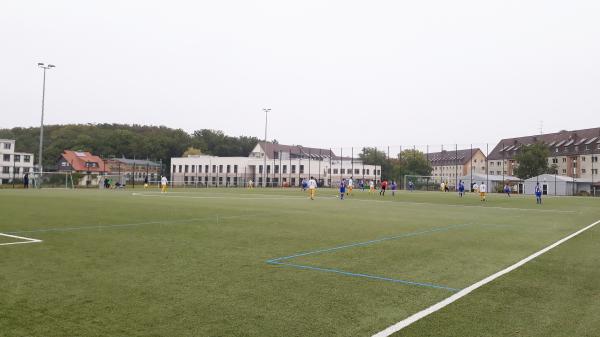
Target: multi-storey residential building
[
  {"x": 13, "y": 165},
  {"x": 573, "y": 153},
  {"x": 286, "y": 165},
  {"x": 448, "y": 165}
]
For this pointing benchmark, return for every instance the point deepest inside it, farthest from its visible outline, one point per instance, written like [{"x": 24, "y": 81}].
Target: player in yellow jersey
[{"x": 163, "y": 184}]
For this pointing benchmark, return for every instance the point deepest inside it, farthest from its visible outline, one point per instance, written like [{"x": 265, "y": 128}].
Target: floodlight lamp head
[
  {"x": 51, "y": 66},
  {"x": 40, "y": 64}
]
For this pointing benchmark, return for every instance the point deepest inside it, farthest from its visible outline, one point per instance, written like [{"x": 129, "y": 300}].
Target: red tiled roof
[{"x": 78, "y": 161}]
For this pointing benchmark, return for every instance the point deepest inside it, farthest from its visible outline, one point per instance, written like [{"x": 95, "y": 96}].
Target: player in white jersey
[
  {"x": 482, "y": 191},
  {"x": 163, "y": 184},
  {"x": 312, "y": 188},
  {"x": 350, "y": 186}
]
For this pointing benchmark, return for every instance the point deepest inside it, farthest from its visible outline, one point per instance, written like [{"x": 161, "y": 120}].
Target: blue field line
[
  {"x": 278, "y": 260},
  {"x": 365, "y": 243},
  {"x": 347, "y": 273}
]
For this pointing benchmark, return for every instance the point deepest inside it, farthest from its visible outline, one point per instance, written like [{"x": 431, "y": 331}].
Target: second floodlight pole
[
  {"x": 40, "y": 157},
  {"x": 264, "y": 178}
]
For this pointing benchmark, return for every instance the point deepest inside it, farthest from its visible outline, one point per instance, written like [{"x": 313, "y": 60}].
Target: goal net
[
  {"x": 51, "y": 180},
  {"x": 423, "y": 183}
]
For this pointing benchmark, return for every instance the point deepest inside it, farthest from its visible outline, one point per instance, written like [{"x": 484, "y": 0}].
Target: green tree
[{"x": 532, "y": 161}]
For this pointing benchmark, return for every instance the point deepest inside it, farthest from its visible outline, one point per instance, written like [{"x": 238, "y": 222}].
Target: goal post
[
  {"x": 422, "y": 183},
  {"x": 52, "y": 180}
]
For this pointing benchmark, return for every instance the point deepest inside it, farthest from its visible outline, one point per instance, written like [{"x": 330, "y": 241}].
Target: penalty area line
[
  {"x": 464, "y": 292},
  {"x": 24, "y": 240}
]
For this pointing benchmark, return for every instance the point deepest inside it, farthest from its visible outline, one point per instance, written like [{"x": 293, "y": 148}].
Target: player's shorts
[{"x": 482, "y": 194}]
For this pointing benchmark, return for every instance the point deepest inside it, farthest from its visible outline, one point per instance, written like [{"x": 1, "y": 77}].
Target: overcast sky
[{"x": 334, "y": 73}]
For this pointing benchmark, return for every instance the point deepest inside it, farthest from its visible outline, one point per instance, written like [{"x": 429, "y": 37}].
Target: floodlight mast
[
  {"x": 40, "y": 156},
  {"x": 266, "y": 110}
]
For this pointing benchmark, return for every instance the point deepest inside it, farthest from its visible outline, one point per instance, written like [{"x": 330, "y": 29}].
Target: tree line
[{"x": 130, "y": 141}]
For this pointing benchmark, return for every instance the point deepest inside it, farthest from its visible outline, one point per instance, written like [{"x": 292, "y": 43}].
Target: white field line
[
  {"x": 25, "y": 240},
  {"x": 426, "y": 312},
  {"x": 276, "y": 197}
]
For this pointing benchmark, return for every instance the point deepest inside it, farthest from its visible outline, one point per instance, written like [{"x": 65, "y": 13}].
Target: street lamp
[
  {"x": 45, "y": 67},
  {"x": 266, "y": 110}
]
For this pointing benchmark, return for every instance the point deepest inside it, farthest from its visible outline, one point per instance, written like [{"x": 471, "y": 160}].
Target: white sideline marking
[
  {"x": 25, "y": 240},
  {"x": 426, "y": 312}
]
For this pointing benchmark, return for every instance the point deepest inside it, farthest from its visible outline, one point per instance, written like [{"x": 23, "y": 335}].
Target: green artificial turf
[{"x": 213, "y": 263}]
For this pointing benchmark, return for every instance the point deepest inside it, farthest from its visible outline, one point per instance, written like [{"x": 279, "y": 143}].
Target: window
[
  {"x": 335, "y": 171},
  {"x": 235, "y": 170},
  {"x": 498, "y": 172},
  {"x": 583, "y": 170},
  {"x": 301, "y": 168},
  {"x": 293, "y": 168},
  {"x": 594, "y": 159},
  {"x": 228, "y": 168},
  {"x": 27, "y": 158},
  {"x": 7, "y": 146},
  {"x": 343, "y": 171},
  {"x": 214, "y": 169},
  {"x": 25, "y": 169},
  {"x": 6, "y": 169},
  {"x": 7, "y": 157},
  {"x": 193, "y": 168},
  {"x": 556, "y": 150},
  {"x": 186, "y": 168},
  {"x": 356, "y": 171},
  {"x": 268, "y": 169},
  {"x": 205, "y": 168},
  {"x": 284, "y": 168},
  {"x": 492, "y": 164},
  {"x": 260, "y": 168},
  {"x": 595, "y": 171},
  {"x": 474, "y": 160},
  {"x": 17, "y": 170},
  {"x": 180, "y": 168},
  {"x": 583, "y": 158},
  {"x": 276, "y": 168},
  {"x": 367, "y": 171},
  {"x": 220, "y": 168},
  {"x": 564, "y": 171},
  {"x": 564, "y": 160},
  {"x": 17, "y": 157},
  {"x": 555, "y": 160}
]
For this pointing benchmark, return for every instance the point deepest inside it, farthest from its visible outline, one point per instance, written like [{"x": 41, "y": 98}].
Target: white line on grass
[
  {"x": 426, "y": 312},
  {"x": 25, "y": 240}
]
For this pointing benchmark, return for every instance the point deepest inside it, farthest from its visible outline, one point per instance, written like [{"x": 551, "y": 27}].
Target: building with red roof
[{"x": 82, "y": 162}]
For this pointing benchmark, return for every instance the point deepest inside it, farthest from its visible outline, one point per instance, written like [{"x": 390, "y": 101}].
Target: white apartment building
[
  {"x": 13, "y": 165},
  {"x": 286, "y": 165}
]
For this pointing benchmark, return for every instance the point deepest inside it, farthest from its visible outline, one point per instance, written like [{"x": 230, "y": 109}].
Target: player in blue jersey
[
  {"x": 461, "y": 188},
  {"x": 538, "y": 193},
  {"x": 342, "y": 188}
]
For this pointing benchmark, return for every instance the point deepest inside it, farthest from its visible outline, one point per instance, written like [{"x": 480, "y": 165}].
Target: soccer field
[{"x": 271, "y": 262}]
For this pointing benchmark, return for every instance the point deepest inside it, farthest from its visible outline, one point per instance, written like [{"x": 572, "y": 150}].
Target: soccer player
[
  {"x": 342, "y": 188},
  {"x": 304, "y": 184},
  {"x": 461, "y": 188},
  {"x": 350, "y": 186},
  {"x": 146, "y": 182},
  {"x": 312, "y": 188},
  {"x": 383, "y": 188},
  {"x": 394, "y": 186},
  {"x": 482, "y": 190},
  {"x": 250, "y": 184},
  {"x": 163, "y": 184},
  {"x": 475, "y": 188},
  {"x": 538, "y": 194},
  {"x": 442, "y": 186},
  {"x": 507, "y": 190},
  {"x": 411, "y": 186}
]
